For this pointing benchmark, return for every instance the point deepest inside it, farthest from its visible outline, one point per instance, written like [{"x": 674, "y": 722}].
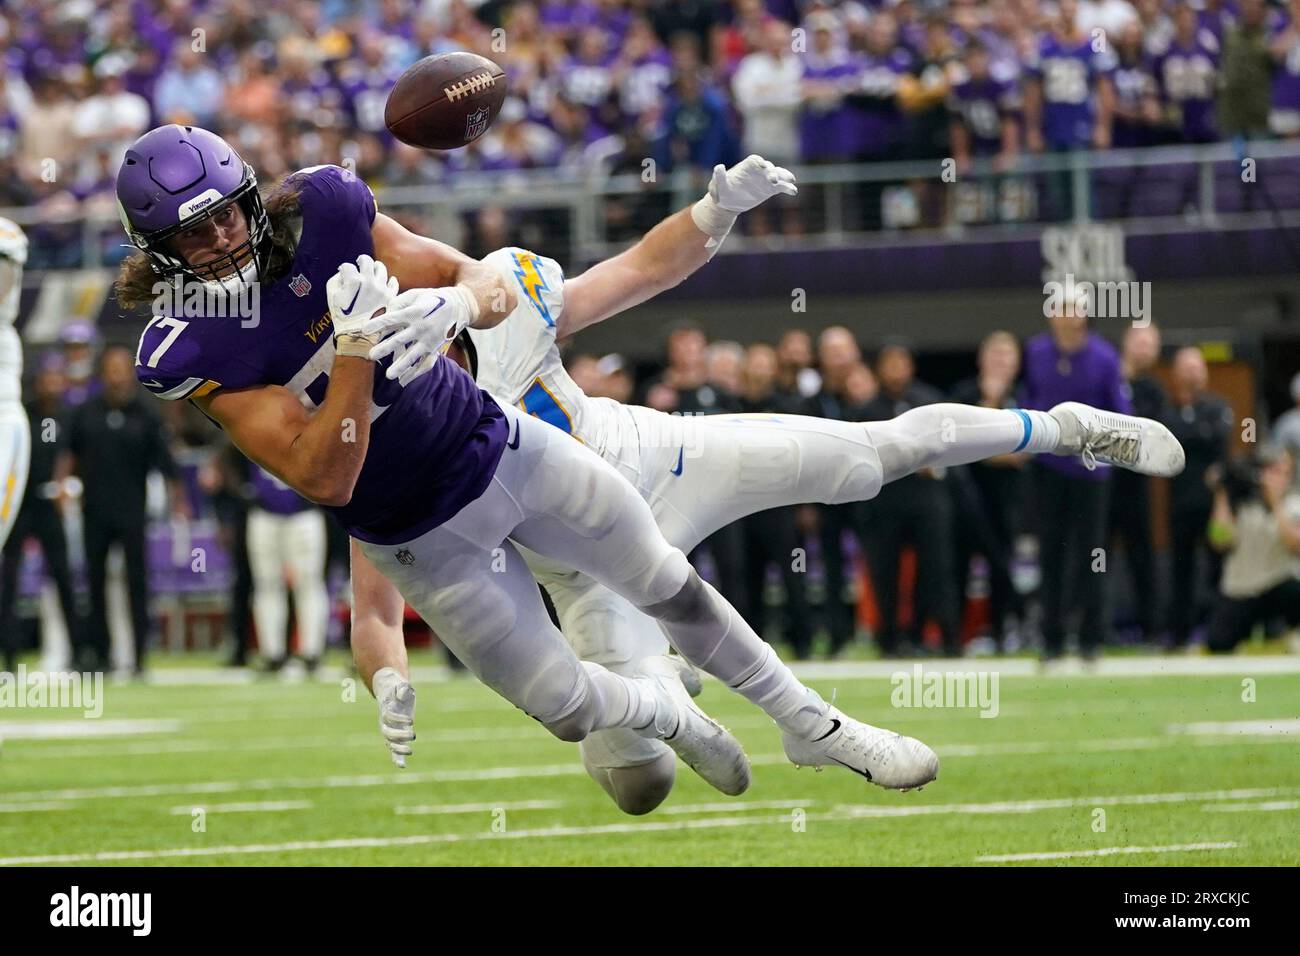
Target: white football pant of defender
[{"x": 738, "y": 465}]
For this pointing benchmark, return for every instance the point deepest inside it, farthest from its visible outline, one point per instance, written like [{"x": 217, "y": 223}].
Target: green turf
[{"x": 1077, "y": 739}]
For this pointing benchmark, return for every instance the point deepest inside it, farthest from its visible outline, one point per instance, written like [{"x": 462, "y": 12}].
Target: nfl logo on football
[{"x": 475, "y": 124}]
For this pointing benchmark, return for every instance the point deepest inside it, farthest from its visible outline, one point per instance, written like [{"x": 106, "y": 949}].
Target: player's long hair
[{"x": 136, "y": 278}]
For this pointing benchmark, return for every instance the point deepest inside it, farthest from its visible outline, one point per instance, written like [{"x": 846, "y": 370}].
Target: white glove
[
  {"x": 356, "y": 292},
  {"x": 739, "y": 189},
  {"x": 396, "y": 699},
  {"x": 423, "y": 322}
]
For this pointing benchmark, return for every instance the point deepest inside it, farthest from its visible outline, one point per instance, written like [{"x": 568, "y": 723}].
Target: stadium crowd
[{"x": 600, "y": 86}]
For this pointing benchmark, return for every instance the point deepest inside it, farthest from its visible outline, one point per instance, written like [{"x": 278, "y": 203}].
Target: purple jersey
[
  {"x": 273, "y": 495},
  {"x": 1133, "y": 85},
  {"x": 981, "y": 105},
  {"x": 434, "y": 445},
  {"x": 1187, "y": 76},
  {"x": 366, "y": 92},
  {"x": 878, "y": 122},
  {"x": 827, "y": 133},
  {"x": 1068, "y": 73},
  {"x": 1286, "y": 77}
]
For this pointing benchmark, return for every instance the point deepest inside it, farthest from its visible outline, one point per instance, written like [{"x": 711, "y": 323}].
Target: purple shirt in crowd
[
  {"x": 1091, "y": 375},
  {"x": 434, "y": 445}
]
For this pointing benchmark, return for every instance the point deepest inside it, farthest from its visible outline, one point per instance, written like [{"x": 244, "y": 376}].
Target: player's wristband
[
  {"x": 471, "y": 312},
  {"x": 712, "y": 220},
  {"x": 384, "y": 680},
  {"x": 357, "y": 346}
]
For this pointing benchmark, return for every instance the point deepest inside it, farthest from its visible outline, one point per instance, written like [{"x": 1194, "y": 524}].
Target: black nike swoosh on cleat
[
  {"x": 836, "y": 726},
  {"x": 861, "y": 773}
]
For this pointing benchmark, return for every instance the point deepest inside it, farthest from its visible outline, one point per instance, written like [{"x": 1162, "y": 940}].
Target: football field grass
[{"x": 1145, "y": 762}]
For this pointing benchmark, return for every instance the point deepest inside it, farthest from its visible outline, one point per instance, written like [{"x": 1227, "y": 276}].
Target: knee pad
[
  {"x": 604, "y": 628},
  {"x": 563, "y": 699},
  {"x": 636, "y": 787}
]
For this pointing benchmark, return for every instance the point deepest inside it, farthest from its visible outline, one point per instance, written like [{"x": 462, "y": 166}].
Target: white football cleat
[
  {"x": 702, "y": 743},
  {"x": 885, "y": 758},
  {"x": 1138, "y": 444}
]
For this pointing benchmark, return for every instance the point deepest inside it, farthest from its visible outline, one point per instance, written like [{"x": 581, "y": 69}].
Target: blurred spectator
[
  {"x": 1284, "y": 45},
  {"x": 1187, "y": 75},
  {"x": 1137, "y": 101},
  {"x": 766, "y": 86},
  {"x": 286, "y": 533},
  {"x": 1202, "y": 422},
  {"x": 41, "y": 516},
  {"x": 1130, "y": 510},
  {"x": 116, "y": 439},
  {"x": 914, "y": 510},
  {"x": 1257, "y": 525},
  {"x": 1244, "y": 87},
  {"x": 111, "y": 118},
  {"x": 189, "y": 91},
  {"x": 224, "y": 479},
  {"x": 795, "y": 376},
  {"x": 771, "y": 537},
  {"x": 826, "y": 125},
  {"x": 838, "y": 356},
  {"x": 1286, "y": 430},
  {"x": 1069, "y": 363},
  {"x": 984, "y": 111},
  {"x": 988, "y": 493}
]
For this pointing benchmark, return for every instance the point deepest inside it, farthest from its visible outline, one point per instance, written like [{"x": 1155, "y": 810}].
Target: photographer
[{"x": 1256, "y": 524}]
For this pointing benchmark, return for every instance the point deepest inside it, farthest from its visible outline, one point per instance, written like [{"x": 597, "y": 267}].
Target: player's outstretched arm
[
  {"x": 419, "y": 262},
  {"x": 673, "y": 249},
  {"x": 379, "y": 650}
]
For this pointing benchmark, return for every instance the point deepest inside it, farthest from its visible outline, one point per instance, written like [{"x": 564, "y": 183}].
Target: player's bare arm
[
  {"x": 674, "y": 249},
  {"x": 379, "y": 651},
  {"x": 418, "y": 262}
]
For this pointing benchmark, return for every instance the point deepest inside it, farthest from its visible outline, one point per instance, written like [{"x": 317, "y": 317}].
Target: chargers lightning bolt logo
[{"x": 531, "y": 281}]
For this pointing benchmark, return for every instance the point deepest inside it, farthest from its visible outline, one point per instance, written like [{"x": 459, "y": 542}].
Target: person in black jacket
[
  {"x": 915, "y": 509},
  {"x": 988, "y": 493},
  {"x": 116, "y": 440},
  {"x": 1130, "y": 500},
  {"x": 1202, "y": 422},
  {"x": 41, "y": 516}
]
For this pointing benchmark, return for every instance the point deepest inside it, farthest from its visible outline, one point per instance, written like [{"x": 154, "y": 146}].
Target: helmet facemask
[{"x": 228, "y": 272}]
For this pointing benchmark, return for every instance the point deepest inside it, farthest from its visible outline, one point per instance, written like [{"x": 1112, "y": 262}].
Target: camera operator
[{"x": 1256, "y": 525}]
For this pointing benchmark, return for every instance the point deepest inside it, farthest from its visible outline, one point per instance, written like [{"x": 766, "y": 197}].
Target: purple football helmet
[{"x": 175, "y": 177}]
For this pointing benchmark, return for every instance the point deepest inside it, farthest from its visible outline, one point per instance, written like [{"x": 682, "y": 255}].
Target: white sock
[
  {"x": 1042, "y": 431},
  {"x": 634, "y": 703}
]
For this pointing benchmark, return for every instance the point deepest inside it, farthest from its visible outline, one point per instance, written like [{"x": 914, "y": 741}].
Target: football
[{"x": 445, "y": 101}]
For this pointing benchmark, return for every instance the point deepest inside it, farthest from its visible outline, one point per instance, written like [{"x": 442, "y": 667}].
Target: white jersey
[{"x": 519, "y": 360}]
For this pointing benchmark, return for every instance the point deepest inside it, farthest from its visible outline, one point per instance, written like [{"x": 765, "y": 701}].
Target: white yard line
[
  {"x": 352, "y": 843},
  {"x": 436, "y": 809},
  {"x": 1280, "y": 727},
  {"x": 1242, "y": 807},
  {"x": 1104, "y": 851},
  {"x": 737, "y": 805},
  {"x": 82, "y": 728},
  {"x": 1061, "y": 803},
  {"x": 269, "y": 806},
  {"x": 32, "y": 806},
  {"x": 396, "y": 778}
]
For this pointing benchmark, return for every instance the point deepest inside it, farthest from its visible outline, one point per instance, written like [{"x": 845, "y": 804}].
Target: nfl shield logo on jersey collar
[
  {"x": 475, "y": 124},
  {"x": 300, "y": 285}
]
